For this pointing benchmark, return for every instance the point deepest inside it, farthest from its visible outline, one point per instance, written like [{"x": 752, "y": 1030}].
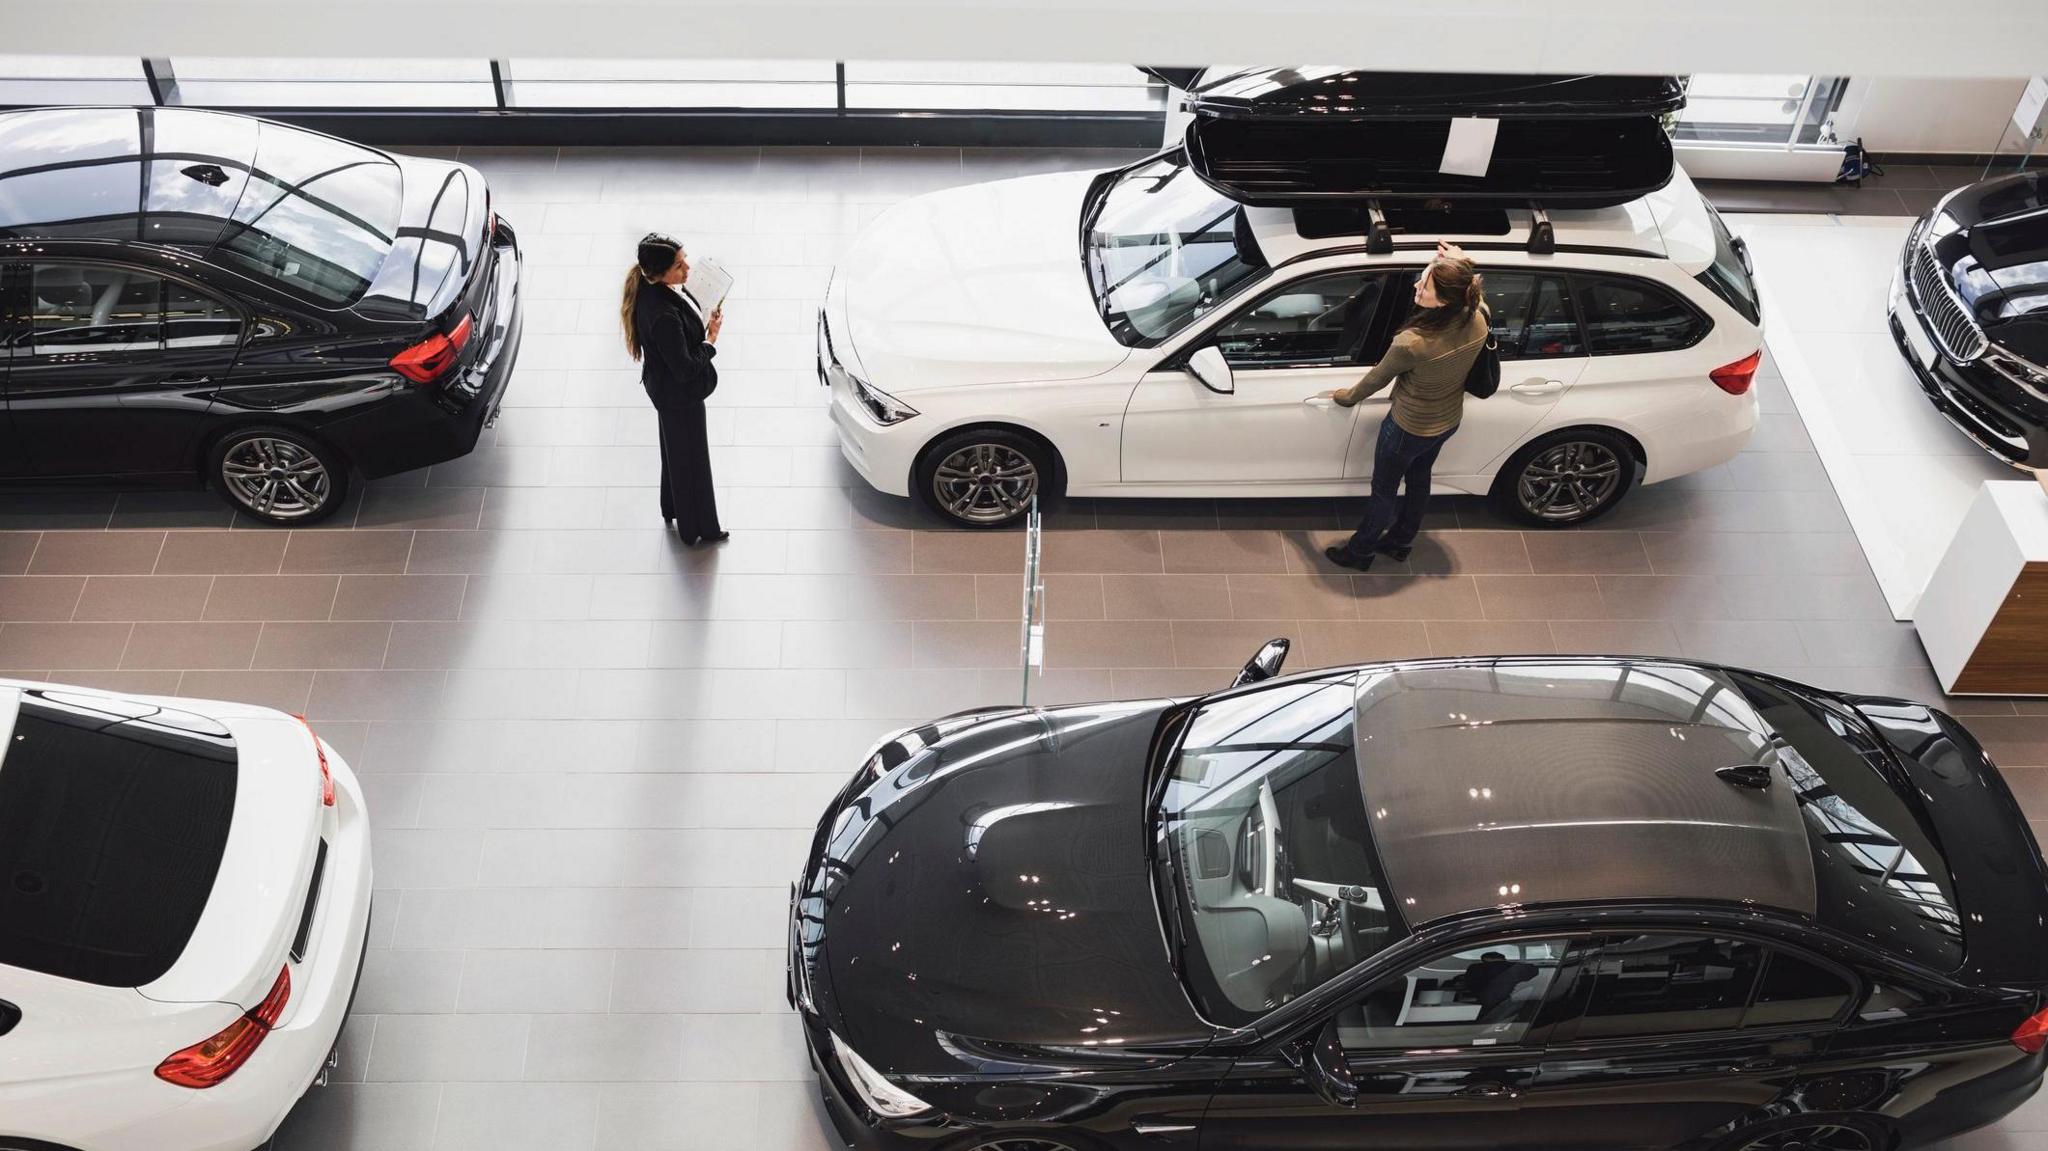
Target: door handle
[
  {"x": 187, "y": 378},
  {"x": 1323, "y": 402},
  {"x": 1487, "y": 1091},
  {"x": 1532, "y": 388}
]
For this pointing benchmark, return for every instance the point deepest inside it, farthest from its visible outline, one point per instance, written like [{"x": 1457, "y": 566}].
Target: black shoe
[
  {"x": 1396, "y": 552},
  {"x": 720, "y": 538},
  {"x": 1342, "y": 557}
]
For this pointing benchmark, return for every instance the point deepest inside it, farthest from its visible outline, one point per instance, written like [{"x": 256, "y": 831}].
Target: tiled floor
[{"x": 593, "y": 755}]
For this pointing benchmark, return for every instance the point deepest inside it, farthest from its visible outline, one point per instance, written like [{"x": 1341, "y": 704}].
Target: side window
[
  {"x": 1667, "y": 984},
  {"x": 1628, "y": 316},
  {"x": 1317, "y": 321},
  {"x": 1795, "y": 991},
  {"x": 1532, "y": 316},
  {"x": 193, "y": 320},
  {"x": 1483, "y": 997},
  {"x": 81, "y": 308}
]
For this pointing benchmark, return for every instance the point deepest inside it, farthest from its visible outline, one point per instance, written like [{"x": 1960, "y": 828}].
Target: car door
[
  {"x": 1678, "y": 1035},
  {"x": 1542, "y": 355},
  {"x": 14, "y": 462},
  {"x": 1638, "y": 373},
  {"x": 118, "y": 370},
  {"x": 1440, "y": 1054},
  {"x": 1295, "y": 341}
]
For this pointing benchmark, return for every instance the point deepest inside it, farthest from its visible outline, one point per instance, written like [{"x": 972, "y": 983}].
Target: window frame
[
  {"x": 1566, "y": 1031},
  {"x": 1562, "y": 992},
  {"x": 1582, "y": 277},
  {"x": 1377, "y": 334},
  {"x": 23, "y": 285}
]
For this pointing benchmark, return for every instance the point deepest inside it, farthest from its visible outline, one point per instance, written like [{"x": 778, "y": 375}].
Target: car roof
[
  {"x": 1502, "y": 783},
  {"x": 165, "y": 176},
  {"x": 1670, "y": 223}
]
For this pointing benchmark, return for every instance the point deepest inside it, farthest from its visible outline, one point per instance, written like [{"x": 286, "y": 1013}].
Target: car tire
[
  {"x": 1565, "y": 478},
  {"x": 1028, "y": 1141},
  {"x": 1816, "y": 1132},
  {"x": 277, "y": 475},
  {"x": 984, "y": 477}
]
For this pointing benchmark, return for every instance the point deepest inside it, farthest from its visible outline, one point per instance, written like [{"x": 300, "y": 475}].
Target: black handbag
[{"x": 1484, "y": 377}]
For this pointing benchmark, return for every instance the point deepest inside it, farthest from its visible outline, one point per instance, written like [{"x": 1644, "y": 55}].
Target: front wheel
[
  {"x": 983, "y": 477},
  {"x": 277, "y": 475},
  {"x": 1566, "y": 478}
]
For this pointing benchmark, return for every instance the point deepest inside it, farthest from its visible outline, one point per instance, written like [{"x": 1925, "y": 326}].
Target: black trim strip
[{"x": 305, "y": 932}]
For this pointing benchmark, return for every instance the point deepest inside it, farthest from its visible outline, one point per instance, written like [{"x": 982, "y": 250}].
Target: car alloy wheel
[
  {"x": 276, "y": 478},
  {"x": 984, "y": 483},
  {"x": 1021, "y": 1143},
  {"x": 1569, "y": 481},
  {"x": 1818, "y": 1137}
]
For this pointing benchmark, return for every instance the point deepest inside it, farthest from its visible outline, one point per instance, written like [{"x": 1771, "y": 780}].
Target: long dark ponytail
[
  {"x": 656, "y": 256},
  {"x": 1459, "y": 285}
]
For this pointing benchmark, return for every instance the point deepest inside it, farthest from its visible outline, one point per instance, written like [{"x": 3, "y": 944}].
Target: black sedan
[
  {"x": 189, "y": 295},
  {"x": 1510, "y": 903},
  {"x": 1969, "y": 311}
]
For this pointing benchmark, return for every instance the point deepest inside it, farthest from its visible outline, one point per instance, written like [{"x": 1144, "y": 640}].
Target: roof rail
[{"x": 1379, "y": 238}]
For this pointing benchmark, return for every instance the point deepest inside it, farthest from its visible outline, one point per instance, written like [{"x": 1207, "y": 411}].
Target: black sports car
[
  {"x": 1503, "y": 903},
  {"x": 196, "y": 295},
  {"x": 1969, "y": 310}
]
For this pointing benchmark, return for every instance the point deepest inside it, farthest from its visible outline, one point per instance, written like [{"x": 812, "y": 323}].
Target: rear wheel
[
  {"x": 1566, "y": 478},
  {"x": 278, "y": 475},
  {"x": 1022, "y": 1143},
  {"x": 983, "y": 477},
  {"x": 1813, "y": 1133}
]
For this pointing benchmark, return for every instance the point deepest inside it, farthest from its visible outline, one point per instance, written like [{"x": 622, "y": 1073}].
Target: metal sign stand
[{"x": 1031, "y": 640}]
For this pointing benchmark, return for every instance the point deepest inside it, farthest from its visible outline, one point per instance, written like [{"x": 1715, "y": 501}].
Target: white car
[
  {"x": 1136, "y": 333},
  {"x": 184, "y": 907}
]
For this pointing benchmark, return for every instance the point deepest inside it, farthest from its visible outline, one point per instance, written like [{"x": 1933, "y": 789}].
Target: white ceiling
[{"x": 1860, "y": 37}]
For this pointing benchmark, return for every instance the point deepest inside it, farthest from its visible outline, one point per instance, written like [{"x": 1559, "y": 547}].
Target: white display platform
[
  {"x": 1982, "y": 605},
  {"x": 1905, "y": 475}
]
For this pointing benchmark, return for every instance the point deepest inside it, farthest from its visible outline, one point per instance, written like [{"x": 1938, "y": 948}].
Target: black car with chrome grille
[
  {"x": 1969, "y": 310},
  {"x": 192, "y": 295},
  {"x": 1531, "y": 903}
]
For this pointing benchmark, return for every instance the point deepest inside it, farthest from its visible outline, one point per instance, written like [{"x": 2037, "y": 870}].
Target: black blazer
[{"x": 675, "y": 362}]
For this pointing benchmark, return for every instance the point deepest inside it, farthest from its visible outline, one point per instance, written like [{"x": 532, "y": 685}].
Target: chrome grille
[{"x": 1960, "y": 336}]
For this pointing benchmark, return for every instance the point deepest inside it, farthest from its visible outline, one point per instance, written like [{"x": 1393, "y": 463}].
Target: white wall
[{"x": 1911, "y": 114}]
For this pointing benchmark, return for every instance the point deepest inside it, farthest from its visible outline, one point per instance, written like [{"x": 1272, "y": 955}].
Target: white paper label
[
  {"x": 2027, "y": 116},
  {"x": 1469, "y": 149}
]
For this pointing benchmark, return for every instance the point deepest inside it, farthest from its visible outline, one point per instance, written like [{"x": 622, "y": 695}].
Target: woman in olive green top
[{"x": 1427, "y": 366}]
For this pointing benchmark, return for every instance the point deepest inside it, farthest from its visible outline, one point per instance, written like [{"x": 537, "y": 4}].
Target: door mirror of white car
[{"x": 1209, "y": 366}]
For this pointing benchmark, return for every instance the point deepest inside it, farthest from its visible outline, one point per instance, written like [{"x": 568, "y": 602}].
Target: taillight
[
  {"x": 2033, "y": 1034},
  {"x": 213, "y": 1059},
  {"x": 1735, "y": 378},
  {"x": 424, "y": 362},
  {"x": 326, "y": 773}
]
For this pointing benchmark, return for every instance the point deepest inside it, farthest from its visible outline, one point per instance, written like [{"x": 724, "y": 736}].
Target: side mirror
[
  {"x": 1264, "y": 665},
  {"x": 1320, "y": 1059},
  {"x": 1209, "y": 366}
]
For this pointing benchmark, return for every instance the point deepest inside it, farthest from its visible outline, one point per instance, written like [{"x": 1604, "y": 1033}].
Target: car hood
[
  {"x": 977, "y": 285},
  {"x": 1991, "y": 238},
  {"x": 988, "y": 900}
]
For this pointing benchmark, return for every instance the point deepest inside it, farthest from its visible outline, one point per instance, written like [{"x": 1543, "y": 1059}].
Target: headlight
[
  {"x": 886, "y": 409},
  {"x": 882, "y": 1097}
]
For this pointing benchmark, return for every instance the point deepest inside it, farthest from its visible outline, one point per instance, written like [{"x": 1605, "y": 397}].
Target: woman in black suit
[{"x": 675, "y": 346}]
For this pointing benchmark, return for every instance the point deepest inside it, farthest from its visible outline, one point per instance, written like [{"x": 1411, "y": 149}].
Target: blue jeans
[{"x": 1399, "y": 458}]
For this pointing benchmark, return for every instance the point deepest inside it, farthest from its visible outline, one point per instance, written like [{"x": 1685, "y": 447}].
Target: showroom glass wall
[{"x": 765, "y": 101}]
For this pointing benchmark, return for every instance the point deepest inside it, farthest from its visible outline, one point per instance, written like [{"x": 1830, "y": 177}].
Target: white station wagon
[{"x": 1138, "y": 333}]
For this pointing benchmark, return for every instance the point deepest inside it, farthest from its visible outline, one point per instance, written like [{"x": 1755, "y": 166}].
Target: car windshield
[
  {"x": 1728, "y": 277},
  {"x": 1163, "y": 248},
  {"x": 1878, "y": 872},
  {"x": 1263, "y": 848},
  {"x": 318, "y": 217}
]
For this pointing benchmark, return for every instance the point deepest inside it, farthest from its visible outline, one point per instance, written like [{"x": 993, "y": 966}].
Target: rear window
[
  {"x": 1627, "y": 317},
  {"x": 1727, "y": 277},
  {"x": 111, "y": 833},
  {"x": 1877, "y": 870},
  {"x": 317, "y": 218}
]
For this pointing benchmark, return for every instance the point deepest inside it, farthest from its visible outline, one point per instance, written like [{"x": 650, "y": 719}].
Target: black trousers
[{"x": 686, "y": 495}]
